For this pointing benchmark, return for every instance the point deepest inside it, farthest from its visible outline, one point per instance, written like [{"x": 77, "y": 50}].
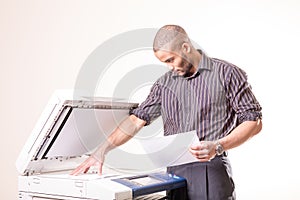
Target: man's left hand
[{"x": 205, "y": 151}]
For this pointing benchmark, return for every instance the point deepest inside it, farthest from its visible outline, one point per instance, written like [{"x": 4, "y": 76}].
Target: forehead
[{"x": 165, "y": 54}]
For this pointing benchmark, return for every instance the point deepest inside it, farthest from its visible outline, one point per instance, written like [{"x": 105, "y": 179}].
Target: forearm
[
  {"x": 124, "y": 132},
  {"x": 241, "y": 134}
]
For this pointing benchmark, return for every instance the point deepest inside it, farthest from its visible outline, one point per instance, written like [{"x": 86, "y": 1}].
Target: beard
[
  {"x": 186, "y": 66},
  {"x": 187, "y": 70}
]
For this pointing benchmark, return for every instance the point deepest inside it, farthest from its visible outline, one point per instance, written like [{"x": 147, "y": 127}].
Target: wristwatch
[{"x": 219, "y": 149}]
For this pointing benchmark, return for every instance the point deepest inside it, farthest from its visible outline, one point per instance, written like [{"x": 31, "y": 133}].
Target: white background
[{"x": 44, "y": 43}]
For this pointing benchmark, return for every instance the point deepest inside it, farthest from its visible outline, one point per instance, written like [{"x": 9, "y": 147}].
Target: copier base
[{"x": 30, "y": 196}]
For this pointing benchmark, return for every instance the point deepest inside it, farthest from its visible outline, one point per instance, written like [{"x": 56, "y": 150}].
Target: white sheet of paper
[
  {"x": 154, "y": 153},
  {"x": 172, "y": 150}
]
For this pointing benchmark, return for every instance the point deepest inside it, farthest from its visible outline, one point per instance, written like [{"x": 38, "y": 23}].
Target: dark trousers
[{"x": 205, "y": 180}]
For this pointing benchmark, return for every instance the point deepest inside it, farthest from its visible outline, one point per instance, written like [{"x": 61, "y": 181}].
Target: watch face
[{"x": 219, "y": 149}]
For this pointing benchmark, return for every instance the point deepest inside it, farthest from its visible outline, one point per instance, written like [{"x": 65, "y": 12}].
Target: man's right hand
[{"x": 89, "y": 162}]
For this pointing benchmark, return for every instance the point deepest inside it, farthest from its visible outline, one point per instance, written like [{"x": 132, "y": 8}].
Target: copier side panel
[
  {"x": 53, "y": 186},
  {"x": 65, "y": 187}
]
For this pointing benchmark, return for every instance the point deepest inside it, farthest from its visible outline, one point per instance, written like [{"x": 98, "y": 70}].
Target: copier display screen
[{"x": 146, "y": 180}]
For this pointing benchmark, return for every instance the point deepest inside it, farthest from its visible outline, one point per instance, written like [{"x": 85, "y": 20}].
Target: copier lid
[{"x": 68, "y": 129}]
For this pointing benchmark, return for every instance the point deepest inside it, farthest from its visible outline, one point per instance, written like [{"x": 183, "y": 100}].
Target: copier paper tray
[{"x": 68, "y": 130}]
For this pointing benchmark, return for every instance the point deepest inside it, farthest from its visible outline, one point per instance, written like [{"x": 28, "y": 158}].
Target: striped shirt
[{"x": 213, "y": 101}]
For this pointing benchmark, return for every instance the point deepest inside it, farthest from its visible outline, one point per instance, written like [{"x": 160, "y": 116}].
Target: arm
[
  {"x": 206, "y": 150},
  {"x": 241, "y": 134},
  {"x": 247, "y": 110},
  {"x": 148, "y": 111},
  {"x": 124, "y": 132}
]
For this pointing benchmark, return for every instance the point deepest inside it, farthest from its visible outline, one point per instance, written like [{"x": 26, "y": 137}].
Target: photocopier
[{"x": 68, "y": 130}]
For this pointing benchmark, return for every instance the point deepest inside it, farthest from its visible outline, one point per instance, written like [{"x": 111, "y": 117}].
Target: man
[{"x": 199, "y": 93}]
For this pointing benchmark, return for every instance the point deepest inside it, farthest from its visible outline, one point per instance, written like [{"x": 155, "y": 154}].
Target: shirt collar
[{"x": 204, "y": 64}]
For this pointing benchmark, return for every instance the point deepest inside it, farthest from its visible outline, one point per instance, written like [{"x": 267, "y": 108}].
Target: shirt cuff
[
  {"x": 141, "y": 114},
  {"x": 249, "y": 116}
]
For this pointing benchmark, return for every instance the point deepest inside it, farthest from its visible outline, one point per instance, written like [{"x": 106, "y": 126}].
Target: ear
[{"x": 186, "y": 47}]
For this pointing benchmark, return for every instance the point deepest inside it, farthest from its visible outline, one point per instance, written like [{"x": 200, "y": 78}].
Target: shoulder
[
  {"x": 222, "y": 64},
  {"x": 228, "y": 70},
  {"x": 165, "y": 79}
]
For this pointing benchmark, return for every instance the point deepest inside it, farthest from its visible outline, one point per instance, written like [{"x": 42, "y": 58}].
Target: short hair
[{"x": 170, "y": 37}]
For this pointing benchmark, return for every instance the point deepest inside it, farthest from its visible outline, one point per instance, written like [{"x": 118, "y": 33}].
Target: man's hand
[
  {"x": 205, "y": 151},
  {"x": 85, "y": 166}
]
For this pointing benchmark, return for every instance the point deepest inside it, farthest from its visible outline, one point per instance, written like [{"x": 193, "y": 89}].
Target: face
[{"x": 176, "y": 61}]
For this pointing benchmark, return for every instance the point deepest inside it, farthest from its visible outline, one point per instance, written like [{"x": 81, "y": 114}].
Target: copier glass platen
[{"x": 68, "y": 130}]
